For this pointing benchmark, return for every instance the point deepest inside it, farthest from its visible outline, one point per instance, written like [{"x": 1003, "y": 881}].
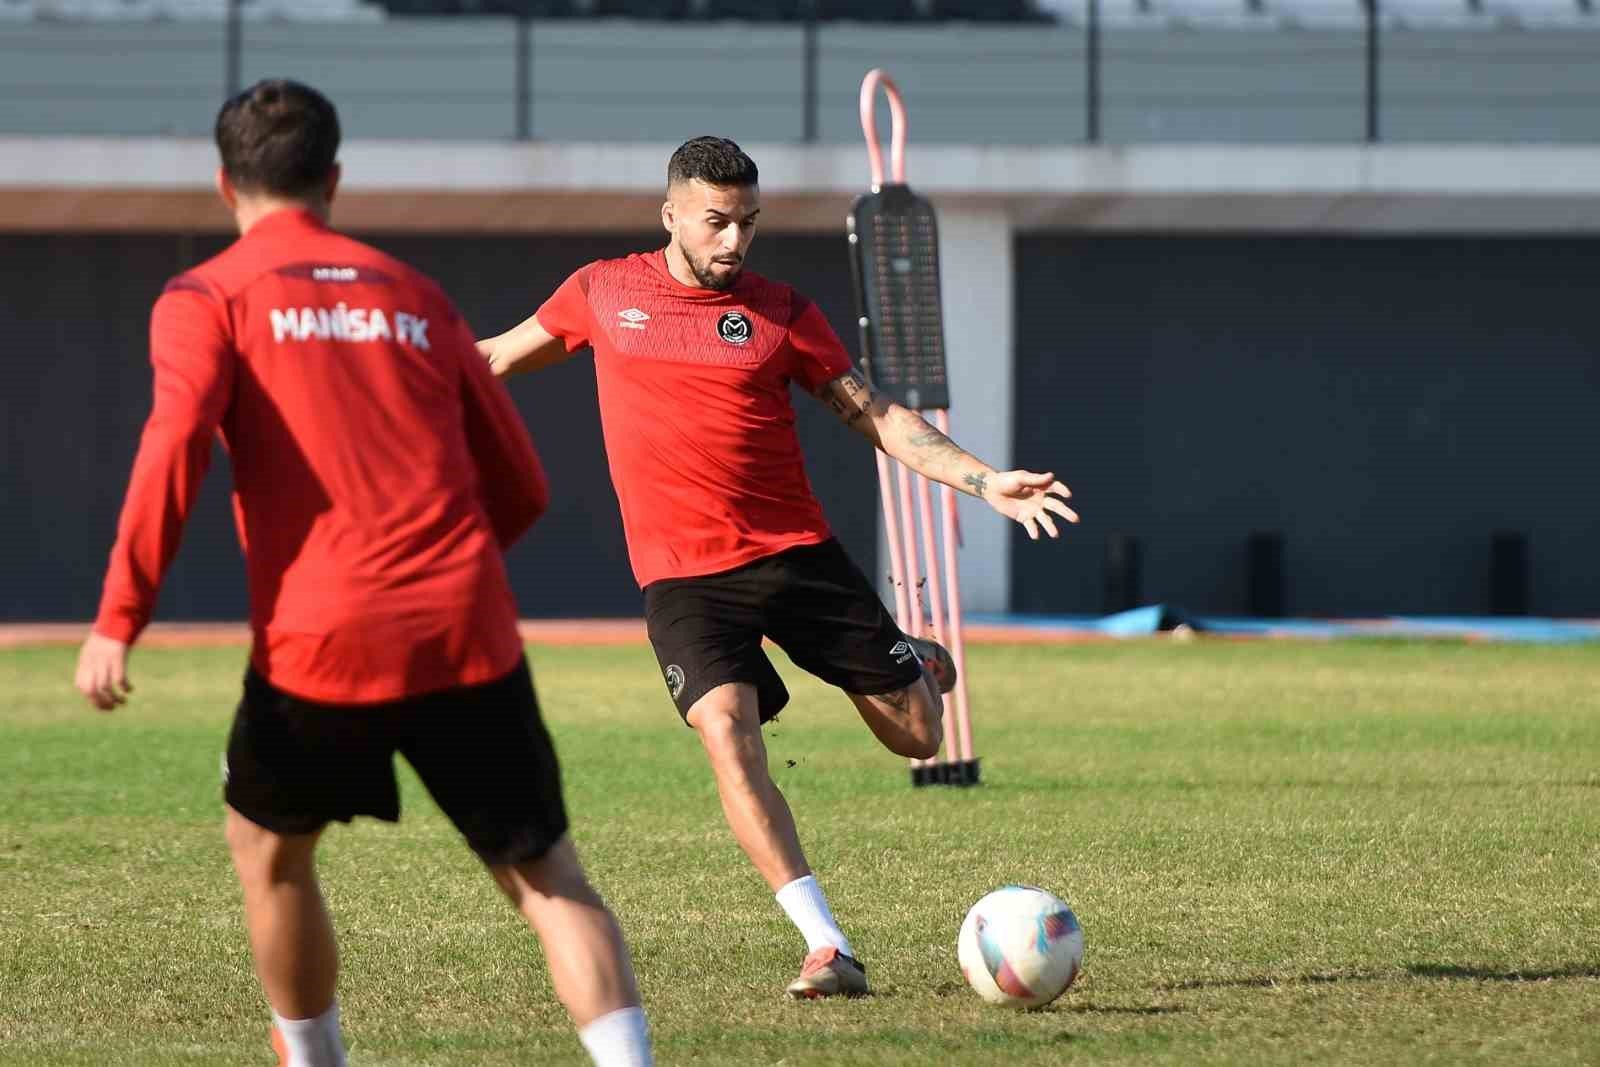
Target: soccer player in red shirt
[
  {"x": 379, "y": 472},
  {"x": 694, "y": 357}
]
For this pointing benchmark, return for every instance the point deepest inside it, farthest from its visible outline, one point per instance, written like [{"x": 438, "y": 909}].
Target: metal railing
[{"x": 1114, "y": 73}]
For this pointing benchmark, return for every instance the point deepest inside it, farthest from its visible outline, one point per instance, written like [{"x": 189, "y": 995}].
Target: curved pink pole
[
  {"x": 897, "y": 128},
  {"x": 891, "y": 530}
]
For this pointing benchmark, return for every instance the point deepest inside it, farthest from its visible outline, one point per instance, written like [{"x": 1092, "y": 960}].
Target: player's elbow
[
  {"x": 536, "y": 488},
  {"x": 538, "y": 500},
  {"x": 490, "y": 349},
  {"x": 515, "y": 518}
]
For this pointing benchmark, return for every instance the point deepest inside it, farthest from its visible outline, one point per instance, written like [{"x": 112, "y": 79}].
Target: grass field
[{"x": 1280, "y": 853}]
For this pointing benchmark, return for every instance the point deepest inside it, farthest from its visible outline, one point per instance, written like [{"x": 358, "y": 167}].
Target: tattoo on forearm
[
  {"x": 978, "y": 482},
  {"x": 931, "y": 440}
]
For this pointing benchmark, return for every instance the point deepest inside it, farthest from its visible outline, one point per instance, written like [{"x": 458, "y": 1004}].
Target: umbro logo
[
  {"x": 902, "y": 651},
  {"x": 632, "y": 319}
]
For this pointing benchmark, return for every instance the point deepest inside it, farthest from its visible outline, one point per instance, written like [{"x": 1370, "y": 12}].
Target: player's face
[{"x": 713, "y": 226}]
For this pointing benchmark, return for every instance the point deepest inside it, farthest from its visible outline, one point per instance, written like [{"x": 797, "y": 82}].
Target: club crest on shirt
[{"x": 734, "y": 328}]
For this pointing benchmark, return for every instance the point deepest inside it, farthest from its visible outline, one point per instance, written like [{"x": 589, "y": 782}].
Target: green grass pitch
[{"x": 1362, "y": 852}]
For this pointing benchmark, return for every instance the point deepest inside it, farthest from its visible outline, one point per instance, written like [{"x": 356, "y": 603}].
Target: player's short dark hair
[
  {"x": 713, "y": 160},
  {"x": 278, "y": 137}
]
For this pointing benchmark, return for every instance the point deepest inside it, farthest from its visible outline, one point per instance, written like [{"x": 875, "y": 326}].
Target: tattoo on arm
[
  {"x": 935, "y": 445},
  {"x": 849, "y": 397},
  {"x": 928, "y": 437},
  {"x": 941, "y": 458}
]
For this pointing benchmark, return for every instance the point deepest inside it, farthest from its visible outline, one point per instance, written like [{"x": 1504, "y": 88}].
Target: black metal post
[
  {"x": 810, "y": 59},
  {"x": 1266, "y": 574},
  {"x": 1372, "y": 70},
  {"x": 1121, "y": 590},
  {"x": 1508, "y": 573},
  {"x": 524, "y": 110},
  {"x": 233, "y": 47},
  {"x": 1092, "y": 66}
]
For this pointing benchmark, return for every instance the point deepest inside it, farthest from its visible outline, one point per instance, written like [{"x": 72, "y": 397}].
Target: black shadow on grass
[
  {"x": 1443, "y": 971},
  {"x": 1490, "y": 974},
  {"x": 1066, "y": 1004},
  {"x": 1267, "y": 981},
  {"x": 1118, "y": 1009}
]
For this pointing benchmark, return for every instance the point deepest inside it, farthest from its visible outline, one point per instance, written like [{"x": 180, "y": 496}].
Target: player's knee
[
  {"x": 722, "y": 718},
  {"x": 925, "y": 742},
  {"x": 555, "y": 874},
  {"x": 262, "y": 856},
  {"x": 927, "y": 729}
]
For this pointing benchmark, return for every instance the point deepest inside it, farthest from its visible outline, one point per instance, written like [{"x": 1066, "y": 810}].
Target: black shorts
[
  {"x": 293, "y": 765},
  {"x": 811, "y": 601}
]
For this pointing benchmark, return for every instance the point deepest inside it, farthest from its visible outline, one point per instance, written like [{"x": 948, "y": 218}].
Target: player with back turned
[{"x": 379, "y": 472}]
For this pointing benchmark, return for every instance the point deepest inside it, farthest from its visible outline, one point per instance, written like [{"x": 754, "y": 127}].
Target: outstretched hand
[
  {"x": 102, "y": 675},
  {"x": 1030, "y": 499}
]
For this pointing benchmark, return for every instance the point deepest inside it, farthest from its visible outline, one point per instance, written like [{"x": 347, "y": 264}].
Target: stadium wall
[
  {"x": 1386, "y": 406},
  {"x": 1051, "y": 328},
  {"x": 72, "y": 412}
]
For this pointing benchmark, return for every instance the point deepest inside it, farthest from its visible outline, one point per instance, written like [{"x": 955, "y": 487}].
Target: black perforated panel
[{"x": 894, "y": 241}]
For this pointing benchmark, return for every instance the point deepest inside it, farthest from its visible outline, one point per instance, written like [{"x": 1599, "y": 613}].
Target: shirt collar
[{"x": 289, "y": 218}]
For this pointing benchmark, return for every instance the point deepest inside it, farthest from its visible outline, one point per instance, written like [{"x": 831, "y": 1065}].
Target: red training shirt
[
  {"x": 378, "y": 466},
  {"x": 694, "y": 404}
]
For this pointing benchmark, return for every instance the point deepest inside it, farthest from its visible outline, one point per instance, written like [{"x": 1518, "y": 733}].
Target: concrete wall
[
  {"x": 76, "y": 390},
  {"x": 616, "y": 80},
  {"x": 1385, "y": 404}
]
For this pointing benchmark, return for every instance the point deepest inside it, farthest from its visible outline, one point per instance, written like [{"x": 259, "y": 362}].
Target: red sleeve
[
  {"x": 819, "y": 355},
  {"x": 511, "y": 479},
  {"x": 566, "y": 313},
  {"x": 193, "y": 356}
]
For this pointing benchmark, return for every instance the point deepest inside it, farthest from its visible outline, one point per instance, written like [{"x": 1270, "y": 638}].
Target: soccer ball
[{"x": 1020, "y": 947}]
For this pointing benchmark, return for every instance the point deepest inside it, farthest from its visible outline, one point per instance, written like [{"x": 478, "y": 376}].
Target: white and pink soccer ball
[{"x": 1020, "y": 947}]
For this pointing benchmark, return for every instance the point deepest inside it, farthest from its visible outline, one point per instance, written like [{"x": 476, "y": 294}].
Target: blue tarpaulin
[{"x": 1157, "y": 618}]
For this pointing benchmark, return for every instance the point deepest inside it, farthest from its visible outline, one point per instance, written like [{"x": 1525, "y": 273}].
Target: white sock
[
  {"x": 618, "y": 1039},
  {"x": 312, "y": 1042},
  {"x": 807, "y": 908}
]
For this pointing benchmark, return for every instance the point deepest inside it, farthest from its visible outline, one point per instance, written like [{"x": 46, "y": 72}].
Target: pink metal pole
[
  {"x": 958, "y": 650},
  {"x": 897, "y": 127},
  {"x": 930, "y": 544},
  {"x": 902, "y": 534},
  {"x": 891, "y": 530},
  {"x": 908, "y": 528}
]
